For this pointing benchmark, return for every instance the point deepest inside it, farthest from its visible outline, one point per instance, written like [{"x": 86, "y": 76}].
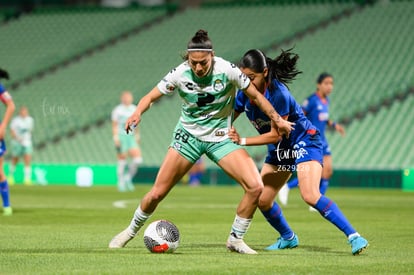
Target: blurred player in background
[
  {"x": 8, "y": 102},
  {"x": 126, "y": 145},
  {"x": 207, "y": 85},
  {"x": 196, "y": 173},
  {"x": 21, "y": 128},
  {"x": 301, "y": 152},
  {"x": 316, "y": 108}
]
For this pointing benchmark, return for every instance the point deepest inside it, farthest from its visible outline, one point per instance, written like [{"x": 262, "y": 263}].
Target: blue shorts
[
  {"x": 326, "y": 149},
  {"x": 2, "y": 147},
  {"x": 286, "y": 157}
]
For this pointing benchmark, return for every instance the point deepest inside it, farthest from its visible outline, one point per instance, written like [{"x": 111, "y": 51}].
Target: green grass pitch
[{"x": 66, "y": 230}]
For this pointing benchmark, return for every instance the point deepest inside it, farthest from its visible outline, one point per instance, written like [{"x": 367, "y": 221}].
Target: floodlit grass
[{"x": 65, "y": 229}]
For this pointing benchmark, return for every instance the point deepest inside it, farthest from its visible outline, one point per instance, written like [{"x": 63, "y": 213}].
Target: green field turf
[{"x": 66, "y": 230}]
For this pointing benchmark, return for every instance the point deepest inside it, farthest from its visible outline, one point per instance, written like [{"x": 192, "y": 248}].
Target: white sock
[
  {"x": 138, "y": 220},
  {"x": 120, "y": 170},
  {"x": 133, "y": 167},
  {"x": 12, "y": 168},
  {"x": 240, "y": 226},
  {"x": 27, "y": 173},
  {"x": 356, "y": 234}
]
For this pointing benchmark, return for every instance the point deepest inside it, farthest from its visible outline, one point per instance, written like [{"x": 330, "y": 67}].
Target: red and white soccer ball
[{"x": 161, "y": 237}]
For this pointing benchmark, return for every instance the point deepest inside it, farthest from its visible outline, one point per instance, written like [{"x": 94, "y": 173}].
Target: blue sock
[
  {"x": 323, "y": 186},
  {"x": 275, "y": 217},
  {"x": 293, "y": 183},
  {"x": 330, "y": 211},
  {"x": 4, "y": 190}
]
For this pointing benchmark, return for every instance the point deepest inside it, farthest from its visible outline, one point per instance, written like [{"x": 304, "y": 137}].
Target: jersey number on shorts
[{"x": 180, "y": 135}]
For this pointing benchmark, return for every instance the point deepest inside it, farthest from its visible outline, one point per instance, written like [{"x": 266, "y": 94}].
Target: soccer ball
[{"x": 161, "y": 237}]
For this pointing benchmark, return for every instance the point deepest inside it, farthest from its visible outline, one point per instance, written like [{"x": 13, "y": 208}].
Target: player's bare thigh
[
  {"x": 239, "y": 165},
  {"x": 273, "y": 179}
]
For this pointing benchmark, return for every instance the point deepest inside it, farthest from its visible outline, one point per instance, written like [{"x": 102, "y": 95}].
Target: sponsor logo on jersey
[
  {"x": 170, "y": 87},
  {"x": 323, "y": 116},
  {"x": 319, "y": 107},
  {"x": 218, "y": 85}
]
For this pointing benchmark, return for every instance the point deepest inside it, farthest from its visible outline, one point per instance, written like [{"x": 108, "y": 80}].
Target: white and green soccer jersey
[
  {"x": 22, "y": 128},
  {"x": 208, "y": 102},
  {"x": 120, "y": 114}
]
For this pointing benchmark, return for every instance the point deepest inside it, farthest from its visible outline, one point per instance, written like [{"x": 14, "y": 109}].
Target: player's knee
[
  {"x": 255, "y": 190},
  {"x": 310, "y": 197},
  {"x": 264, "y": 204},
  {"x": 156, "y": 196}
]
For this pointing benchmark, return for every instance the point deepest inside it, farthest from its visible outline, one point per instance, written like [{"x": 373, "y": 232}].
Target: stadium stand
[
  {"x": 377, "y": 68},
  {"x": 41, "y": 39},
  {"x": 86, "y": 91}
]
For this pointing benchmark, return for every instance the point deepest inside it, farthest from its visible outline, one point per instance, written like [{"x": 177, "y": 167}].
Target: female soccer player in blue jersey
[
  {"x": 316, "y": 109},
  {"x": 8, "y": 102},
  {"x": 300, "y": 152},
  {"x": 207, "y": 85}
]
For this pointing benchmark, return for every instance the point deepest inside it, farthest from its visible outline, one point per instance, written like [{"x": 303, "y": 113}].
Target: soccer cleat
[
  {"x": 238, "y": 245},
  {"x": 122, "y": 238},
  {"x": 283, "y": 194},
  {"x": 7, "y": 211},
  {"x": 358, "y": 244},
  {"x": 283, "y": 243}
]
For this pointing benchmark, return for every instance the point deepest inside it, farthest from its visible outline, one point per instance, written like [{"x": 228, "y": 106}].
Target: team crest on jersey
[
  {"x": 218, "y": 85},
  {"x": 170, "y": 87}
]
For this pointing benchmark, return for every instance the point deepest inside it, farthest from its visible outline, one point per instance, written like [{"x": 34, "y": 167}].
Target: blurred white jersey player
[
  {"x": 127, "y": 145},
  {"x": 22, "y": 146}
]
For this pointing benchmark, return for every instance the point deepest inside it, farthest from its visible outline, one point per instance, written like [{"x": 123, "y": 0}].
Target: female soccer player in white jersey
[
  {"x": 300, "y": 152},
  {"x": 21, "y": 128},
  {"x": 8, "y": 102},
  {"x": 125, "y": 145},
  {"x": 207, "y": 85}
]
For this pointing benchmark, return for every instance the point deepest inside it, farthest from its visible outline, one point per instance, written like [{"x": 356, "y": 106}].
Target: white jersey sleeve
[{"x": 171, "y": 81}]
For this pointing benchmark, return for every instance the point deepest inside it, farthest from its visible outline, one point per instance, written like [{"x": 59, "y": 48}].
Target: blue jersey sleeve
[
  {"x": 2, "y": 89},
  {"x": 307, "y": 105},
  {"x": 280, "y": 99},
  {"x": 240, "y": 101}
]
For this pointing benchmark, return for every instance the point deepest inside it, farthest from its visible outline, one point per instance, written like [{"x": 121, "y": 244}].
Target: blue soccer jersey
[
  {"x": 285, "y": 105},
  {"x": 316, "y": 109}
]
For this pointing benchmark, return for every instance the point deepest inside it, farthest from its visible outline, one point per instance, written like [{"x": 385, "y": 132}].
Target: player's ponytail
[
  {"x": 4, "y": 74},
  {"x": 283, "y": 68}
]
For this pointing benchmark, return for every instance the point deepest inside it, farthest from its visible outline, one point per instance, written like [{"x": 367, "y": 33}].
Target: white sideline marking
[{"x": 123, "y": 203}]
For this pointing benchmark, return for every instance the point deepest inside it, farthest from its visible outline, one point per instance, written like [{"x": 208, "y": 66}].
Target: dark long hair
[
  {"x": 200, "y": 41},
  {"x": 4, "y": 74},
  {"x": 283, "y": 67}
]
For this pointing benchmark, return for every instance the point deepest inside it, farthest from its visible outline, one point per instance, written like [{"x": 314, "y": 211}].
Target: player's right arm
[{"x": 143, "y": 105}]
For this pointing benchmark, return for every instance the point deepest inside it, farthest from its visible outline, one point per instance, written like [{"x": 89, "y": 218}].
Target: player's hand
[
  {"x": 234, "y": 136},
  {"x": 132, "y": 122},
  {"x": 340, "y": 129},
  {"x": 284, "y": 127}
]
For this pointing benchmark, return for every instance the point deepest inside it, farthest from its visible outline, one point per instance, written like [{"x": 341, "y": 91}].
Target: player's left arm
[
  {"x": 270, "y": 137},
  {"x": 10, "y": 107},
  {"x": 284, "y": 126}
]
